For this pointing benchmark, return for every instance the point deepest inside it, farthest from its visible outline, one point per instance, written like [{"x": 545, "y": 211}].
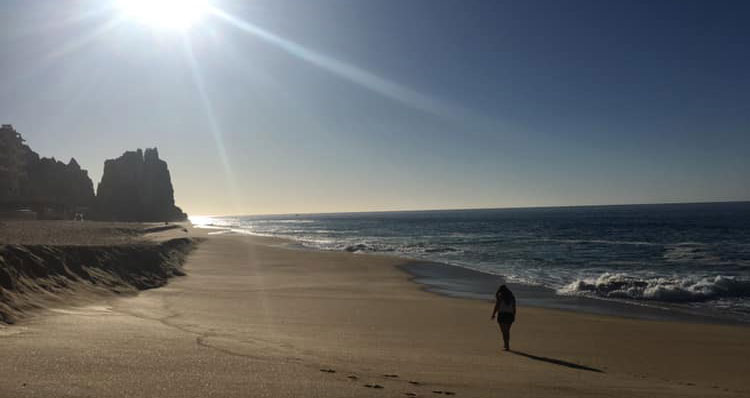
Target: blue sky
[{"x": 339, "y": 105}]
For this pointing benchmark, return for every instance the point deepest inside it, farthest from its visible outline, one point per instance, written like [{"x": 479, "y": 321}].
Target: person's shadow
[{"x": 557, "y": 361}]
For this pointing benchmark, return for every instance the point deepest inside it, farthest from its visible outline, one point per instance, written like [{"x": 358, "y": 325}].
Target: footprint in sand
[
  {"x": 410, "y": 394},
  {"x": 352, "y": 377},
  {"x": 392, "y": 376},
  {"x": 373, "y": 386},
  {"x": 416, "y": 383},
  {"x": 328, "y": 370}
]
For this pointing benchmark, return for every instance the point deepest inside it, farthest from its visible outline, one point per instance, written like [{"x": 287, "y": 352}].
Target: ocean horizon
[{"x": 201, "y": 217}]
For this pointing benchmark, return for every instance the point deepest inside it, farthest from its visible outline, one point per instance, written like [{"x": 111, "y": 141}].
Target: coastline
[
  {"x": 461, "y": 282},
  {"x": 455, "y": 281},
  {"x": 253, "y": 317}
]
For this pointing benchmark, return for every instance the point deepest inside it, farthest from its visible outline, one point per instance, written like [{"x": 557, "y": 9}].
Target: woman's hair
[{"x": 504, "y": 294}]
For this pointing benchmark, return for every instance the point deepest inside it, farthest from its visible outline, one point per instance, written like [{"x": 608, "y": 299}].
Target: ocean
[{"x": 679, "y": 258}]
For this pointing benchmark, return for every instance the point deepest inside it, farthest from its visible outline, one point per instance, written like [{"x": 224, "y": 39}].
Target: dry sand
[
  {"x": 89, "y": 233},
  {"x": 255, "y": 318},
  {"x": 45, "y": 264}
]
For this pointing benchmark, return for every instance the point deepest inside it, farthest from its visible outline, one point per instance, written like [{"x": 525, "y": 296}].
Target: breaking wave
[
  {"x": 675, "y": 290},
  {"x": 404, "y": 248}
]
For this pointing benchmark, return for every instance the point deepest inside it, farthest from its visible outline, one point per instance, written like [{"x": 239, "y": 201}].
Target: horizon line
[{"x": 470, "y": 209}]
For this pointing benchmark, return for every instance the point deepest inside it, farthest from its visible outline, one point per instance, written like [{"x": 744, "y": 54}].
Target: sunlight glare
[{"x": 165, "y": 14}]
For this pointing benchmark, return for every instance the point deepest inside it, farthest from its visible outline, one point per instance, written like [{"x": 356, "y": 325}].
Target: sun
[{"x": 165, "y": 14}]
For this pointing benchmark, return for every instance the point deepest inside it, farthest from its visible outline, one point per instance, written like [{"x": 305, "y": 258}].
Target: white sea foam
[{"x": 678, "y": 290}]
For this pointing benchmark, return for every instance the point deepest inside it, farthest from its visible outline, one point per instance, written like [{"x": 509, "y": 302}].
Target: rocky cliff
[
  {"x": 53, "y": 181},
  {"x": 54, "y": 189},
  {"x": 137, "y": 187}
]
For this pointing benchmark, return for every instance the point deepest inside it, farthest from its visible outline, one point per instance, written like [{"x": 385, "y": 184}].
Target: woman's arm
[{"x": 497, "y": 304}]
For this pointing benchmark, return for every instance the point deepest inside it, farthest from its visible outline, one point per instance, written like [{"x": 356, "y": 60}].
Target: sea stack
[{"x": 137, "y": 187}]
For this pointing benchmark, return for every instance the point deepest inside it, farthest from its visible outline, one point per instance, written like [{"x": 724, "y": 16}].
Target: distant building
[{"x": 13, "y": 159}]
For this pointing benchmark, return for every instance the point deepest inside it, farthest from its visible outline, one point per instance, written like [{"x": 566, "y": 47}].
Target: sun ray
[
  {"x": 352, "y": 73},
  {"x": 51, "y": 25},
  {"x": 49, "y": 60},
  {"x": 85, "y": 39},
  {"x": 214, "y": 126}
]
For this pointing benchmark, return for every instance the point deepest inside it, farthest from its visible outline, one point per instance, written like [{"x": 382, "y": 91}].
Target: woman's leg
[{"x": 505, "y": 328}]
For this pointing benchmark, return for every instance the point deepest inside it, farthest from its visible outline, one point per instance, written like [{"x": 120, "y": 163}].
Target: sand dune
[{"x": 84, "y": 260}]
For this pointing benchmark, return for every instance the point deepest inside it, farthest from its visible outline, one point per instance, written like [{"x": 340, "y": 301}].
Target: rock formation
[
  {"x": 52, "y": 188},
  {"x": 55, "y": 182},
  {"x": 137, "y": 187}
]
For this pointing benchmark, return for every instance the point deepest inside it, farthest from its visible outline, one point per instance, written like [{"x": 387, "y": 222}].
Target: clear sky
[{"x": 275, "y": 106}]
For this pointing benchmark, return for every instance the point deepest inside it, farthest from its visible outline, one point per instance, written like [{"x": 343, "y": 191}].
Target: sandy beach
[
  {"x": 254, "y": 317},
  {"x": 275, "y": 198}
]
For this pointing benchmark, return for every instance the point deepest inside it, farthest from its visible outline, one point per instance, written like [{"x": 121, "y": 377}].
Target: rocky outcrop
[
  {"x": 53, "y": 181},
  {"x": 53, "y": 188},
  {"x": 137, "y": 187}
]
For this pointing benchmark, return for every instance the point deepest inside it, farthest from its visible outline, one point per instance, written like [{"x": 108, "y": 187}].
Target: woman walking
[{"x": 505, "y": 309}]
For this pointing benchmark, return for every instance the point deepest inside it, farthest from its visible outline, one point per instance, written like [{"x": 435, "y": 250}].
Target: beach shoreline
[
  {"x": 462, "y": 282},
  {"x": 253, "y": 317},
  {"x": 459, "y": 282},
  {"x": 686, "y": 261}
]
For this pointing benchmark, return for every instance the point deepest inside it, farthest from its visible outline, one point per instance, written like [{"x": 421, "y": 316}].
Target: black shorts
[{"x": 506, "y": 317}]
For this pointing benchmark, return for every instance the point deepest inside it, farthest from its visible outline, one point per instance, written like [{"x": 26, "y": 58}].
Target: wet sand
[
  {"x": 461, "y": 282},
  {"x": 256, "y": 318}
]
